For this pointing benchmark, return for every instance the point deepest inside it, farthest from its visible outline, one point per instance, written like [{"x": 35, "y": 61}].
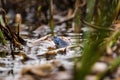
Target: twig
[
  {"x": 54, "y": 52},
  {"x": 40, "y": 39},
  {"x": 97, "y": 27}
]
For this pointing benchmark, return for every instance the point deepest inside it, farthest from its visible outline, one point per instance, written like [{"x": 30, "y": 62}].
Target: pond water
[{"x": 39, "y": 52}]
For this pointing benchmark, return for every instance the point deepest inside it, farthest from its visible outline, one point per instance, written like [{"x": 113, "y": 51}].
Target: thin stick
[
  {"x": 51, "y": 17},
  {"x": 54, "y": 52},
  {"x": 97, "y": 27}
]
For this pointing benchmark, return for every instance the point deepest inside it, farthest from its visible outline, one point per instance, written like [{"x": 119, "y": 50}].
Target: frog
[{"x": 60, "y": 43}]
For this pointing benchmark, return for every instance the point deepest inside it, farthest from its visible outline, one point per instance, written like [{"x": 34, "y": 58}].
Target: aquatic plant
[{"x": 99, "y": 18}]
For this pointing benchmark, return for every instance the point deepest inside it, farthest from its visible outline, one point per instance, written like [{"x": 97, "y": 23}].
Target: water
[{"x": 11, "y": 69}]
